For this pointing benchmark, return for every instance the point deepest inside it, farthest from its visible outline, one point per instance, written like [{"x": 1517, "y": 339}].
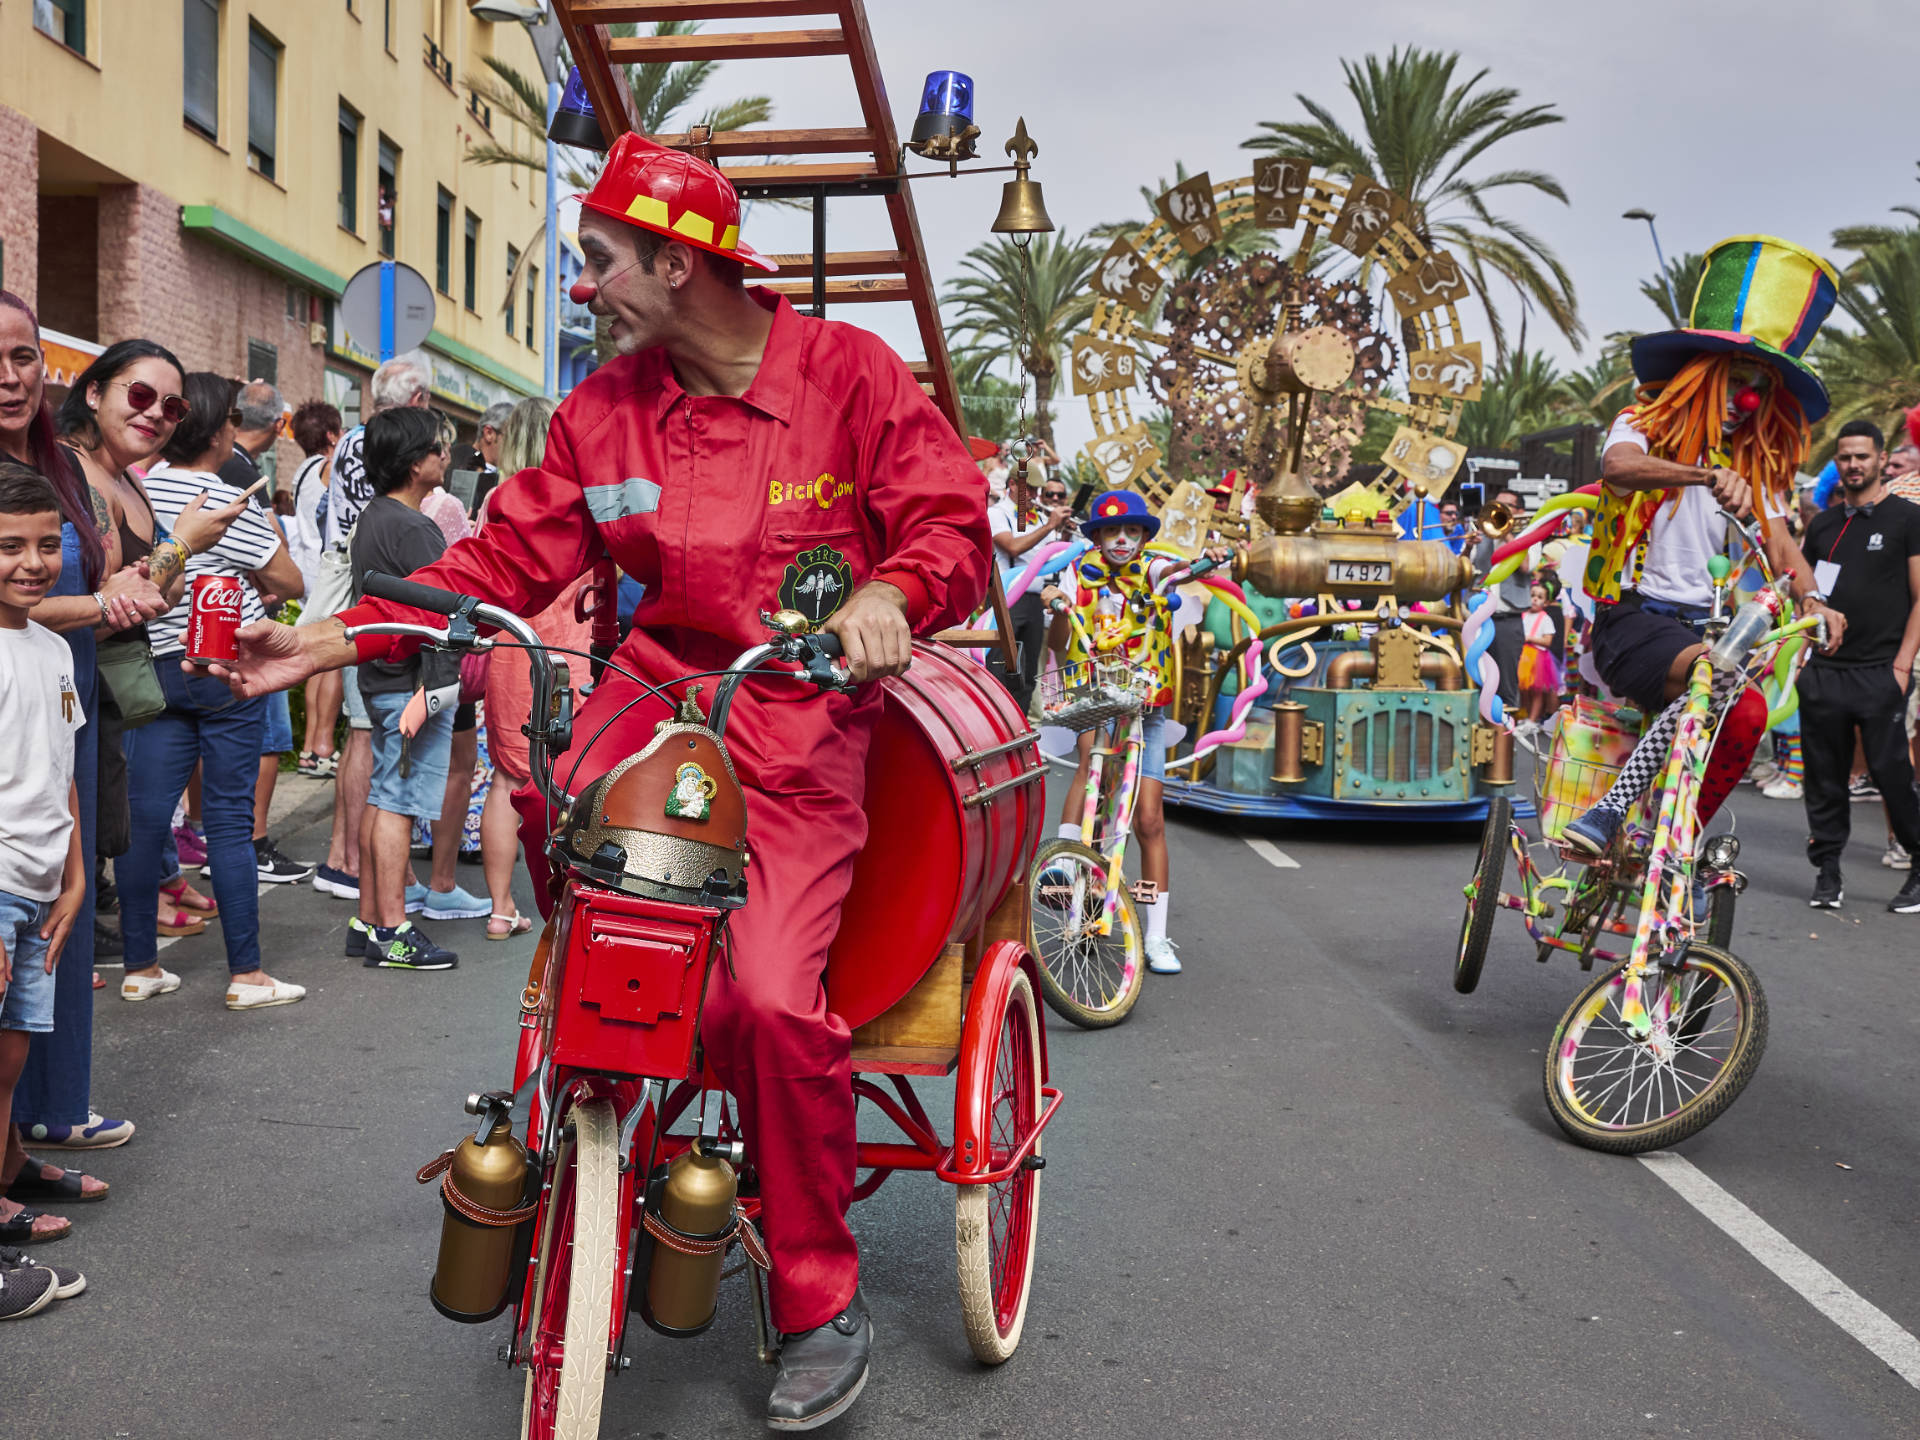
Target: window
[
  {"x": 263, "y": 361},
  {"x": 443, "y": 245},
  {"x": 386, "y": 24},
  {"x": 64, "y": 20},
  {"x": 200, "y": 53},
  {"x": 263, "y": 100},
  {"x": 533, "y": 289},
  {"x": 470, "y": 291},
  {"x": 389, "y": 197},
  {"x": 513, "y": 263},
  {"x": 349, "y": 169}
]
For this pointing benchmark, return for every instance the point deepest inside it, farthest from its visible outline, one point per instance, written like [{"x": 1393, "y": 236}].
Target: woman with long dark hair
[{"x": 95, "y": 596}]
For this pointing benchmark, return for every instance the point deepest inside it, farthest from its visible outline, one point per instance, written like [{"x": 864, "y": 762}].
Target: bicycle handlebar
[{"x": 412, "y": 593}]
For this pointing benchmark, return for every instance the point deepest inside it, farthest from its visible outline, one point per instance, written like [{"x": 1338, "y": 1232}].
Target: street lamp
[
  {"x": 544, "y": 31},
  {"x": 1665, "y": 278}
]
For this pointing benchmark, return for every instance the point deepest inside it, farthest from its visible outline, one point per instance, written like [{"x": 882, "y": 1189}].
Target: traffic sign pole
[{"x": 386, "y": 311}]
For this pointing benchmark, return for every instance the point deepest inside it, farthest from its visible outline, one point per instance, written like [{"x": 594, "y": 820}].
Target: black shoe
[
  {"x": 25, "y": 1291},
  {"x": 107, "y": 942},
  {"x": 409, "y": 949},
  {"x": 1907, "y": 902},
  {"x": 275, "y": 868},
  {"x": 357, "y": 933},
  {"x": 1827, "y": 890},
  {"x": 106, "y": 896},
  {"x": 822, "y": 1371},
  {"x": 67, "y": 1283}
]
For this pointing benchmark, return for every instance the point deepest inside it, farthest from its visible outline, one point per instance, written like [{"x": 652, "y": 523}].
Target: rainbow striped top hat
[{"x": 1757, "y": 294}]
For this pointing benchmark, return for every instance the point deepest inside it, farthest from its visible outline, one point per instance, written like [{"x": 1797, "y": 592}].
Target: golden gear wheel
[{"x": 1204, "y": 335}]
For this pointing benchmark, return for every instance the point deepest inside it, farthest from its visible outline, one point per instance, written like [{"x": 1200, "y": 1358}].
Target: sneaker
[
  {"x": 99, "y": 1133},
  {"x": 275, "y": 868},
  {"x": 259, "y": 997},
  {"x": 1861, "y": 787},
  {"x": 1763, "y": 773},
  {"x": 455, "y": 904},
  {"x": 416, "y": 898},
  {"x": 1593, "y": 832},
  {"x": 1784, "y": 787},
  {"x": 145, "y": 987},
  {"x": 67, "y": 1283},
  {"x": 409, "y": 949},
  {"x": 25, "y": 1291},
  {"x": 190, "y": 844},
  {"x": 1907, "y": 902},
  {"x": 1161, "y": 959},
  {"x": 357, "y": 932},
  {"x": 1895, "y": 858},
  {"x": 1828, "y": 892},
  {"x": 337, "y": 883}
]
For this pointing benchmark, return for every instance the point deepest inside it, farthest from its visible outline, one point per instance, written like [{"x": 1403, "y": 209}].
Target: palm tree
[
  {"x": 1595, "y": 395},
  {"x": 1874, "y": 372},
  {"x": 1052, "y": 274},
  {"x": 1683, "y": 276},
  {"x": 1518, "y": 398},
  {"x": 1420, "y": 133}
]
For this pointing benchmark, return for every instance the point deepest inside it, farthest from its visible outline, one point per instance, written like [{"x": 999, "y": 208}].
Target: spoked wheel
[
  {"x": 1483, "y": 895},
  {"x": 1612, "y": 1090},
  {"x": 994, "y": 1226},
  {"x": 1089, "y": 978},
  {"x": 572, "y": 1299}
]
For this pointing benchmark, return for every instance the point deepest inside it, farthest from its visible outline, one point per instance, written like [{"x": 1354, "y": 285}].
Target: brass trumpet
[{"x": 1495, "y": 520}]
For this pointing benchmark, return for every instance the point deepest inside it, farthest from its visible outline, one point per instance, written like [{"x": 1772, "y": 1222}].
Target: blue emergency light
[
  {"x": 946, "y": 106},
  {"x": 574, "y": 122}
]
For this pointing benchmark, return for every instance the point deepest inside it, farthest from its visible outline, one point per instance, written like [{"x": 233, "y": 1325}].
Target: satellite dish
[{"x": 409, "y": 302}]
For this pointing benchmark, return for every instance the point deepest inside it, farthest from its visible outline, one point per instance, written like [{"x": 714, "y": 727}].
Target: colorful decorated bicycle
[{"x": 1654, "y": 1048}]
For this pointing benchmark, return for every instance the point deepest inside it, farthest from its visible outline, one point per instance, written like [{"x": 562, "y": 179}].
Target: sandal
[
  {"x": 185, "y": 897},
  {"x": 99, "y": 981},
  {"x": 18, "y": 1229},
  {"x": 516, "y": 923},
  {"x": 32, "y": 1184},
  {"x": 178, "y": 922}
]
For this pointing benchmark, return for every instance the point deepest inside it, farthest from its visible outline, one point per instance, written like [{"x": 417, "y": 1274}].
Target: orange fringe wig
[{"x": 1682, "y": 420}]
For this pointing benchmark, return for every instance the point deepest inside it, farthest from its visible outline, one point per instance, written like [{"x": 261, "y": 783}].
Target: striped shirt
[{"x": 250, "y": 542}]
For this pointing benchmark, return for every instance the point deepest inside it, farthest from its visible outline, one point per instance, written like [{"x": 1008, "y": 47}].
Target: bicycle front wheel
[
  {"x": 577, "y": 1251},
  {"x": 1623, "y": 1093},
  {"x": 1088, "y": 978},
  {"x": 1483, "y": 896}
]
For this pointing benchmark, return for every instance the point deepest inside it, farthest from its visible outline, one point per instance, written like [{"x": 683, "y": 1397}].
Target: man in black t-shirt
[{"x": 1866, "y": 557}]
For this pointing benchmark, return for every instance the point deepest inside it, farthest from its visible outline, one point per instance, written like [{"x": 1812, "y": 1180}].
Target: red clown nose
[
  {"x": 1747, "y": 401},
  {"x": 581, "y": 292}
]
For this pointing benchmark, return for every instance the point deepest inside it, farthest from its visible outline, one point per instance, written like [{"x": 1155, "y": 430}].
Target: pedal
[{"x": 1146, "y": 892}]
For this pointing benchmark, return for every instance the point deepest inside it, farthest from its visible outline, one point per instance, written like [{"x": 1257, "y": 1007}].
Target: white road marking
[
  {"x": 1271, "y": 853},
  {"x": 1816, "y": 1284}
]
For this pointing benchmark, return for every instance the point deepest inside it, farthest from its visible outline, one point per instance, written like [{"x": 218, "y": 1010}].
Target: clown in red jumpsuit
[{"x": 826, "y": 483}]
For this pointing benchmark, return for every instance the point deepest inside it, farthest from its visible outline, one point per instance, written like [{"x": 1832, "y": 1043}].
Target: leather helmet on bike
[{"x": 668, "y": 823}]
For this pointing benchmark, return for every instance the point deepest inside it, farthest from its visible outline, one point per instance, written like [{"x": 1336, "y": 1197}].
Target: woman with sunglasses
[
  {"x": 202, "y": 723},
  {"x": 94, "y": 597}
]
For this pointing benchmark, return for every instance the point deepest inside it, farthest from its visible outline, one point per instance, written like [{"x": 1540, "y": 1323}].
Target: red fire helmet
[{"x": 672, "y": 194}]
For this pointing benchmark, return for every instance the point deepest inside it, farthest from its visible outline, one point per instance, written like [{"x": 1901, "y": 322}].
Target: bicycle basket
[
  {"x": 1591, "y": 742},
  {"x": 1087, "y": 693}
]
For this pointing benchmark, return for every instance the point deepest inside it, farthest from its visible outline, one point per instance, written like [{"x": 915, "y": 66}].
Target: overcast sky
[{"x": 1723, "y": 118}]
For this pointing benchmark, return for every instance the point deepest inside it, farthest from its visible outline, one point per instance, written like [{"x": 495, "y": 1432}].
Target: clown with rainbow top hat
[{"x": 1719, "y": 423}]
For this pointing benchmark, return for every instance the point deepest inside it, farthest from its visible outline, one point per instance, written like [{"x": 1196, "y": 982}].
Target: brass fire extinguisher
[
  {"x": 690, "y": 1221},
  {"x": 488, "y": 1219}
]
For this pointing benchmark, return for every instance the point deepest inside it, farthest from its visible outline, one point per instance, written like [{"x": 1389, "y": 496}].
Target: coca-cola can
[{"x": 213, "y": 622}]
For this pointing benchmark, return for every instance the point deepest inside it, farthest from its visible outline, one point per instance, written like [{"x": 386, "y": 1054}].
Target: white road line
[
  {"x": 1271, "y": 853},
  {"x": 1816, "y": 1284}
]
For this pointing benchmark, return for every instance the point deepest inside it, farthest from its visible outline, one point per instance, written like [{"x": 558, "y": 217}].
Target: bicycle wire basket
[
  {"x": 1087, "y": 693},
  {"x": 1591, "y": 743}
]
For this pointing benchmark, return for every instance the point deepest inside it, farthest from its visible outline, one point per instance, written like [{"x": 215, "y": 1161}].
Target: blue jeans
[
  {"x": 202, "y": 722},
  {"x": 28, "y": 1002}
]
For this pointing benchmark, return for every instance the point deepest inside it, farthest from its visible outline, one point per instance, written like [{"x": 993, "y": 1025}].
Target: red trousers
[{"x": 768, "y": 1034}]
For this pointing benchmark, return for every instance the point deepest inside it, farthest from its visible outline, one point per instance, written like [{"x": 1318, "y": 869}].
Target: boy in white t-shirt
[{"x": 43, "y": 872}]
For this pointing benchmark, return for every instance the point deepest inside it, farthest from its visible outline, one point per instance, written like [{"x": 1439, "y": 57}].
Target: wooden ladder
[{"x": 814, "y": 165}]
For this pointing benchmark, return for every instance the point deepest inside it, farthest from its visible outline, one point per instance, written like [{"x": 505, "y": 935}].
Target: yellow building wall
[{"x": 120, "y": 107}]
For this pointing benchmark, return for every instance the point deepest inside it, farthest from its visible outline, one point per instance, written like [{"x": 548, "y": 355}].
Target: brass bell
[{"x": 1022, "y": 211}]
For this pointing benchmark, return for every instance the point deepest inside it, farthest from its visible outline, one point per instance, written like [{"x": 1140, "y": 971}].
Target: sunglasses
[
  {"x": 141, "y": 396},
  {"x": 1053, "y": 494},
  {"x": 233, "y": 417}
]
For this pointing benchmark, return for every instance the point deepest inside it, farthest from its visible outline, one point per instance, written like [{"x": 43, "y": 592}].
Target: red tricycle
[{"x": 605, "y": 1203}]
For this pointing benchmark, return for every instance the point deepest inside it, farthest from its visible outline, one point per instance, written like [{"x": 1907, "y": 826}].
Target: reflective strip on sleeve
[{"x": 608, "y": 503}]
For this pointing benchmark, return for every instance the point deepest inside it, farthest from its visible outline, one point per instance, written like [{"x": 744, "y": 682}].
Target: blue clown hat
[{"x": 1120, "y": 507}]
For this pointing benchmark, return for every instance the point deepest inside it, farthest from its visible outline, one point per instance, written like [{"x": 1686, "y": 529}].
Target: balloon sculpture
[{"x": 1477, "y": 638}]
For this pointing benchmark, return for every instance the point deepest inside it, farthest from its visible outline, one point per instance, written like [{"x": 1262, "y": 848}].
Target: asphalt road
[{"x": 1307, "y": 1190}]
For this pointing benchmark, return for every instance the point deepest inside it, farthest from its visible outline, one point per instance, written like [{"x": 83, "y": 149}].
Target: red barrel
[
  {"x": 935, "y": 865},
  {"x": 213, "y": 622}
]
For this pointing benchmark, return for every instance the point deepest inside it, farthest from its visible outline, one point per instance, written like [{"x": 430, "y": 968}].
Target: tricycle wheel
[
  {"x": 1088, "y": 978},
  {"x": 1483, "y": 895},
  {"x": 576, "y": 1253},
  {"x": 994, "y": 1226}
]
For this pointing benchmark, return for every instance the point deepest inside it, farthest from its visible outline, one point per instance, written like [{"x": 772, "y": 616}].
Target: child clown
[{"x": 1122, "y": 612}]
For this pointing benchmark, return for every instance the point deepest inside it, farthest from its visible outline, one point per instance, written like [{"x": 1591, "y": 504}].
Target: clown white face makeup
[
  {"x": 1121, "y": 543},
  {"x": 1748, "y": 384}
]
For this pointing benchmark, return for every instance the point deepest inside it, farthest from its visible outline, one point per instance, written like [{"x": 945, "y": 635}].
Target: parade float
[{"x": 1339, "y": 680}]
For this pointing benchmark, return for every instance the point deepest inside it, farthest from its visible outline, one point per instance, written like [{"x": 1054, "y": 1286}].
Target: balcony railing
[
  {"x": 438, "y": 61},
  {"x": 480, "y": 110}
]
